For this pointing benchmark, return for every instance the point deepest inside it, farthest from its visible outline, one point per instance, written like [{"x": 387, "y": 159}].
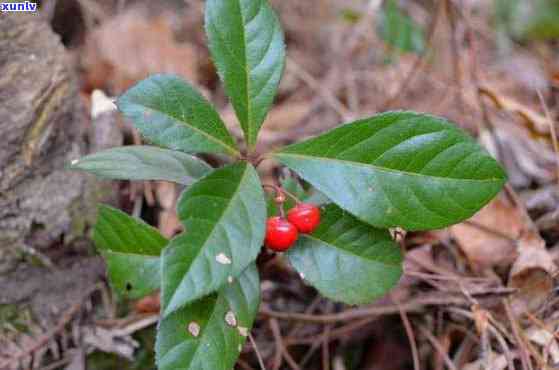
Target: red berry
[
  {"x": 305, "y": 217},
  {"x": 280, "y": 234}
]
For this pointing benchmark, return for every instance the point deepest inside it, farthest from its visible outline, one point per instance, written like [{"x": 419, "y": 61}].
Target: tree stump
[{"x": 41, "y": 128}]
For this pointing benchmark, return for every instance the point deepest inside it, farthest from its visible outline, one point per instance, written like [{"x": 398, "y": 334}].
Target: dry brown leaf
[
  {"x": 485, "y": 249},
  {"x": 532, "y": 274},
  {"x": 281, "y": 119},
  {"x": 133, "y": 45},
  {"x": 169, "y": 224},
  {"x": 534, "y": 121},
  {"x": 148, "y": 304},
  {"x": 166, "y": 194},
  {"x": 554, "y": 78},
  {"x": 525, "y": 159},
  {"x": 545, "y": 339},
  {"x": 496, "y": 362}
]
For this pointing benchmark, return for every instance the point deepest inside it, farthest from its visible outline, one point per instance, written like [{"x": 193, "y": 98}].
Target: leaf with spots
[
  {"x": 142, "y": 162},
  {"x": 347, "y": 260},
  {"x": 209, "y": 333},
  {"x": 131, "y": 249},
  {"x": 246, "y": 43},
  {"x": 223, "y": 215},
  {"x": 402, "y": 169},
  {"x": 169, "y": 112}
]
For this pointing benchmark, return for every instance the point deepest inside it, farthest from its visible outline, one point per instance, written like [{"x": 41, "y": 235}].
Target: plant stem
[{"x": 280, "y": 190}]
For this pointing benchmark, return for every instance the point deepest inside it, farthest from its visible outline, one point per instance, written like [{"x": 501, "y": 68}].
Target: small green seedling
[{"x": 396, "y": 169}]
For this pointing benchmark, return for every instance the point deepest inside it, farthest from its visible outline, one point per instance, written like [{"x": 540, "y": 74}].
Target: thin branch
[
  {"x": 492, "y": 330},
  {"x": 257, "y": 352},
  {"x": 412, "y": 306},
  {"x": 274, "y": 325},
  {"x": 524, "y": 356},
  {"x": 278, "y": 355},
  {"x": 334, "y": 334},
  {"x": 411, "y": 337},
  {"x": 318, "y": 88},
  {"x": 50, "y": 334},
  {"x": 435, "y": 343},
  {"x": 418, "y": 62}
]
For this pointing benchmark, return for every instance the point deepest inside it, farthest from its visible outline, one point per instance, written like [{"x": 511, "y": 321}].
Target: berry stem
[
  {"x": 281, "y": 210},
  {"x": 279, "y": 190}
]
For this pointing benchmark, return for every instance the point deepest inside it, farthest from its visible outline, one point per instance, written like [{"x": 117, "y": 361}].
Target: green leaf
[
  {"x": 131, "y": 249},
  {"x": 246, "y": 42},
  {"x": 199, "y": 337},
  {"x": 169, "y": 112},
  {"x": 224, "y": 215},
  {"x": 141, "y": 162},
  {"x": 399, "y": 30},
  {"x": 402, "y": 169},
  {"x": 347, "y": 260}
]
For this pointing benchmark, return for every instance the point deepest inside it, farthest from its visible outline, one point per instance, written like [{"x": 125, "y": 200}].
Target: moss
[{"x": 14, "y": 318}]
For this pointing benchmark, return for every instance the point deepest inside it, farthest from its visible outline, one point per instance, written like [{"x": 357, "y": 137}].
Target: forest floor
[{"x": 478, "y": 295}]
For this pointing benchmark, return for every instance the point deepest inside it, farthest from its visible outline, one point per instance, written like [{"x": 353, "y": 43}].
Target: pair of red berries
[{"x": 282, "y": 233}]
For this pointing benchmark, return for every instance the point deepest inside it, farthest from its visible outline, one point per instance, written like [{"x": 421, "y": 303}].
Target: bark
[{"x": 42, "y": 131}]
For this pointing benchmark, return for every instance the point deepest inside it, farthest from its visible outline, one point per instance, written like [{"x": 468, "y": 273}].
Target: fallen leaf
[
  {"x": 169, "y": 224},
  {"x": 545, "y": 339},
  {"x": 133, "y": 45},
  {"x": 531, "y": 274},
  {"x": 535, "y": 122},
  {"x": 148, "y": 304},
  {"x": 525, "y": 159},
  {"x": 280, "y": 120},
  {"x": 496, "y": 362},
  {"x": 166, "y": 194},
  {"x": 484, "y": 248}
]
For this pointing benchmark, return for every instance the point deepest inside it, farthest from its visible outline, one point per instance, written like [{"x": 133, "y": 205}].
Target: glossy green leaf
[
  {"x": 142, "y": 162},
  {"x": 246, "y": 42},
  {"x": 131, "y": 249},
  {"x": 399, "y": 30},
  {"x": 209, "y": 333},
  {"x": 402, "y": 169},
  {"x": 170, "y": 113},
  {"x": 224, "y": 215},
  {"x": 347, "y": 260}
]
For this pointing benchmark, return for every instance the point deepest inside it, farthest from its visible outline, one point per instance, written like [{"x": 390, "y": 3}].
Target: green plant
[{"x": 396, "y": 169}]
